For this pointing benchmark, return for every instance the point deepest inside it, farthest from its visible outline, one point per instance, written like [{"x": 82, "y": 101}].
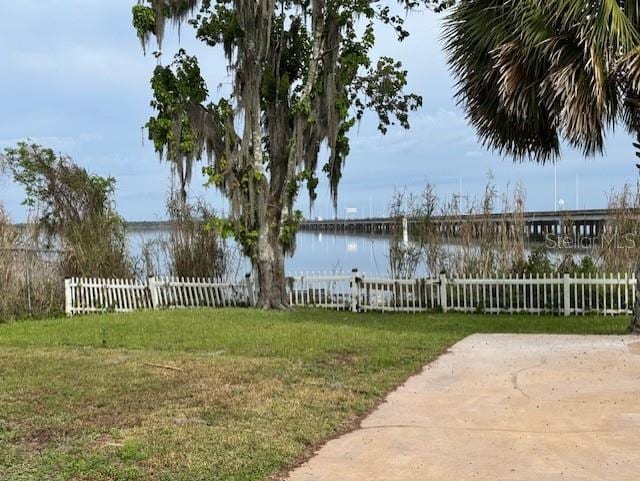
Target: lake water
[
  {"x": 315, "y": 252},
  {"x": 318, "y": 252},
  {"x": 328, "y": 253}
]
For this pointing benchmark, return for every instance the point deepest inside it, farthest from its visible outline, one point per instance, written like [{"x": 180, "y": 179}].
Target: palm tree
[{"x": 534, "y": 72}]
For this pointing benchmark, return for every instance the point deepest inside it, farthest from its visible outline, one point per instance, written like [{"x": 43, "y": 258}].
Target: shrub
[
  {"x": 538, "y": 262},
  {"x": 74, "y": 211}
]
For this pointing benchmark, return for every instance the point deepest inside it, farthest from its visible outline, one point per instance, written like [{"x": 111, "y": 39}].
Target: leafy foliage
[
  {"x": 144, "y": 21},
  {"x": 532, "y": 72},
  {"x": 75, "y": 210}
]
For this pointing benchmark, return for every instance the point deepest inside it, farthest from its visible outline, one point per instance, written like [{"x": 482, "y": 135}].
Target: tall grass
[
  {"x": 473, "y": 243},
  {"x": 618, "y": 249},
  {"x": 191, "y": 249},
  {"x": 30, "y": 277},
  {"x": 487, "y": 248},
  {"x": 470, "y": 243}
]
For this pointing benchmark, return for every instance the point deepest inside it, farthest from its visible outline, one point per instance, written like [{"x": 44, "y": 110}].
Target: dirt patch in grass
[{"x": 52, "y": 395}]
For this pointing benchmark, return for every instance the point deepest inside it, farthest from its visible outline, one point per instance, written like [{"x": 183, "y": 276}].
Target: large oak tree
[{"x": 302, "y": 76}]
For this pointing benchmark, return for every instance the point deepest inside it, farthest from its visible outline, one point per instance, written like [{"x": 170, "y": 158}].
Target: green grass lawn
[{"x": 93, "y": 398}]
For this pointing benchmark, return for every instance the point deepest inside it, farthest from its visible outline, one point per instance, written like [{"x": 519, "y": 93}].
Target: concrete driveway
[{"x": 502, "y": 407}]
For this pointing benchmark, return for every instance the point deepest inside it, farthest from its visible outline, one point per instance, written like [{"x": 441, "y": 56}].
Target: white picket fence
[
  {"x": 86, "y": 295},
  {"x": 557, "y": 294},
  {"x": 560, "y": 294},
  {"x": 358, "y": 292}
]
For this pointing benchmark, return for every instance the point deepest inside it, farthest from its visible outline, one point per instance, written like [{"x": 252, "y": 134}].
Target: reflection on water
[
  {"x": 315, "y": 252},
  {"x": 318, "y": 252}
]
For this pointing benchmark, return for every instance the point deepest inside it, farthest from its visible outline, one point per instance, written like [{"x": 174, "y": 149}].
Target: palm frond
[{"x": 533, "y": 71}]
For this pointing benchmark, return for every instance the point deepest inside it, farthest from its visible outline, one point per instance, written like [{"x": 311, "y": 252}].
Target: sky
[{"x": 74, "y": 78}]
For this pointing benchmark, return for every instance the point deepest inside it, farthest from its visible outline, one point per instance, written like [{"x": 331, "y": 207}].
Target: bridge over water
[{"x": 581, "y": 223}]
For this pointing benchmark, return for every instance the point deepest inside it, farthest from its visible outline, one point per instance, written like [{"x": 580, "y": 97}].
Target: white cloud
[{"x": 474, "y": 154}]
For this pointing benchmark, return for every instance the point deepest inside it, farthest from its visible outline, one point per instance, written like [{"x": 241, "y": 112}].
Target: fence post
[
  {"x": 251, "y": 293},
  {"x": 153, "y": 290},
  {"x": 67, "y": 297},
  {"x": 354, "y": 290},
  {"x": 567, "y": 294},
  {"x": 443, "y": 292}
]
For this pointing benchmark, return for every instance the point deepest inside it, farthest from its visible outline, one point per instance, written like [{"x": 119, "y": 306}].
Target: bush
[
  {"x": 586, "y": 267},
  {"x": 538, "y": 262},
  {"x": 74, "y": 212}
]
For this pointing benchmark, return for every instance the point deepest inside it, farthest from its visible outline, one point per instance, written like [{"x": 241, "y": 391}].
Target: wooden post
[
  {"x": 567, "y": 294},
  {"x": 443, "y": 292},
  {"x": 67, "y": 297},
  {"x": 251, "y": 293},
  {"x": 354, "y": 290},
  {"x": 153, "y": 290}
]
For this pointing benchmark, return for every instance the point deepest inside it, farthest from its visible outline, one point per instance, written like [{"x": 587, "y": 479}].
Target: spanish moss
[{"x": 302, "y": 76}]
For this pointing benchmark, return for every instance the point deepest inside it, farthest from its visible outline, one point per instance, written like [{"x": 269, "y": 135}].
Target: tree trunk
[
  {"x": 269, "y": 266},
  {"x": 634, "y": 326}
]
